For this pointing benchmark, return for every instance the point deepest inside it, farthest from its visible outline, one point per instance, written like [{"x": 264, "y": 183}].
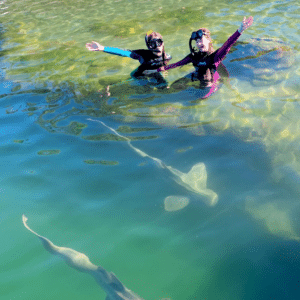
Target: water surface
[{"x": 84, "y": 187}]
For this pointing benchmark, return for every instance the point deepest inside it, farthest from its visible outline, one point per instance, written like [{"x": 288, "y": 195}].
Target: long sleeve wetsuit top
[
  {"x": 147, "y": 59},
  {"x": 206, "y": 63}
]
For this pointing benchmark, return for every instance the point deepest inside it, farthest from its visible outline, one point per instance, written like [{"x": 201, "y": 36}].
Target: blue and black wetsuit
[{"x": 147, "y": 59}]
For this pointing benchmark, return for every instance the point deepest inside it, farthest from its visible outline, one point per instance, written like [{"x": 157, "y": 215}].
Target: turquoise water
[{"x": 84, "y": 187}]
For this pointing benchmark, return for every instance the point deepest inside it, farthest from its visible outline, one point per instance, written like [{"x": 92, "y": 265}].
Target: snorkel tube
[
  {"x": 194, "y": 36},
  {"x": 192, "y": 49},
  {"x": 148, "y": 36},
  {"x": 146, "y": 40}
]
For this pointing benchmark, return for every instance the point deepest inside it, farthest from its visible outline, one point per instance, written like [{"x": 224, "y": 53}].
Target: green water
[{"x": 83, "y": 187}]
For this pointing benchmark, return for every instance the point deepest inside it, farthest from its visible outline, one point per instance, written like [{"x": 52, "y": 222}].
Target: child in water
[
  {"x": 205, "y": 59},
  {"x": 150, "y": 59}
]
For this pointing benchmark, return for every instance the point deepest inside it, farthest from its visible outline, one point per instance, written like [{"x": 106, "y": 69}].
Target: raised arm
[
  {"x": 221, "y": 52},
  {"x": 245, "y": 24}
]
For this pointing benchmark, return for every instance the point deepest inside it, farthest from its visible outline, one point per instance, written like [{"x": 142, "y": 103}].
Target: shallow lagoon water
[{"x": 84, "y": 188}]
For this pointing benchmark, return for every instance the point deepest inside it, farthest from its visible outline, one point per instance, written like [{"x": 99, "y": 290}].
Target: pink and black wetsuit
[{"x": 206, "y": 63}]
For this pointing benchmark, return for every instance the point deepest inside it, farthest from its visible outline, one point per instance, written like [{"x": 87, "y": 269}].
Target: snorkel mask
[
  {"x": 153, "y": 44},
  {"x": 197, "y": 35},
  {"x": 153, "y": 40}
]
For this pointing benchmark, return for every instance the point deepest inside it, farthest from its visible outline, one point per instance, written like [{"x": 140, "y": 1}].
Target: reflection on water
[
  {"x": 262, "y": 61},
  {"x": 237, "y": 151}
]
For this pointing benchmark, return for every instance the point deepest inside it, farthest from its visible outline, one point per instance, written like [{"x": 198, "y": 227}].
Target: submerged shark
[
  {"x": 113, "y": 287},
  {"x": 195, "y": 180}
]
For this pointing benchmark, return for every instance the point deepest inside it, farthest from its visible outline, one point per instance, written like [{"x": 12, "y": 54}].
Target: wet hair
[
  {"x": 207, "y": 34},
  {"x": 151, "y": 35}
]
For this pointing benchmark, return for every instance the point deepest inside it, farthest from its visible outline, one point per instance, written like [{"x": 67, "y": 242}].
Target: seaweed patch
[{"x": 48, "y": 152}]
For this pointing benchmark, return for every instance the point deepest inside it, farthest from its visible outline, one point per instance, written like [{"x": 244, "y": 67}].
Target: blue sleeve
[
  {"x": 117, "y": 51},
  {"x": 122, "y": 52}
]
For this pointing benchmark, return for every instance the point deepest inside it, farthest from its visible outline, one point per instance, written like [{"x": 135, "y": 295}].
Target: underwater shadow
[{"x": 260, "y": 270}]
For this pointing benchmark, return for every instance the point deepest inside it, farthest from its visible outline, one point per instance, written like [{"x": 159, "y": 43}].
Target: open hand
[
  {"x": 246, "y": 24},
  {"x": 94, "y": 46}
]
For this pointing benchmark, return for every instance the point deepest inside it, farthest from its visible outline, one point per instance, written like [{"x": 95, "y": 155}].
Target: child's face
[
  {"x": 203, "y": 43},
  {"x": 156, "y": 46},
  {"x": 158, "y": 51}
]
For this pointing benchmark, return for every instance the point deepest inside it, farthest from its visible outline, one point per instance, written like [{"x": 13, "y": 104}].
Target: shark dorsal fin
[{"x": 196, "y": 178}]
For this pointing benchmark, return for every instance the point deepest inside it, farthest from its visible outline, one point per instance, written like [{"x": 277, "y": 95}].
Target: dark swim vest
[
  {"x": 148, "y": 60},
  {"x": 204, "y": 64}
]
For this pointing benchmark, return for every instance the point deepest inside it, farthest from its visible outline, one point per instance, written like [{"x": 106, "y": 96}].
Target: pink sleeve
[
  {"x": 182, "y": 62},
  {"x": 221, "y": 52}
]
